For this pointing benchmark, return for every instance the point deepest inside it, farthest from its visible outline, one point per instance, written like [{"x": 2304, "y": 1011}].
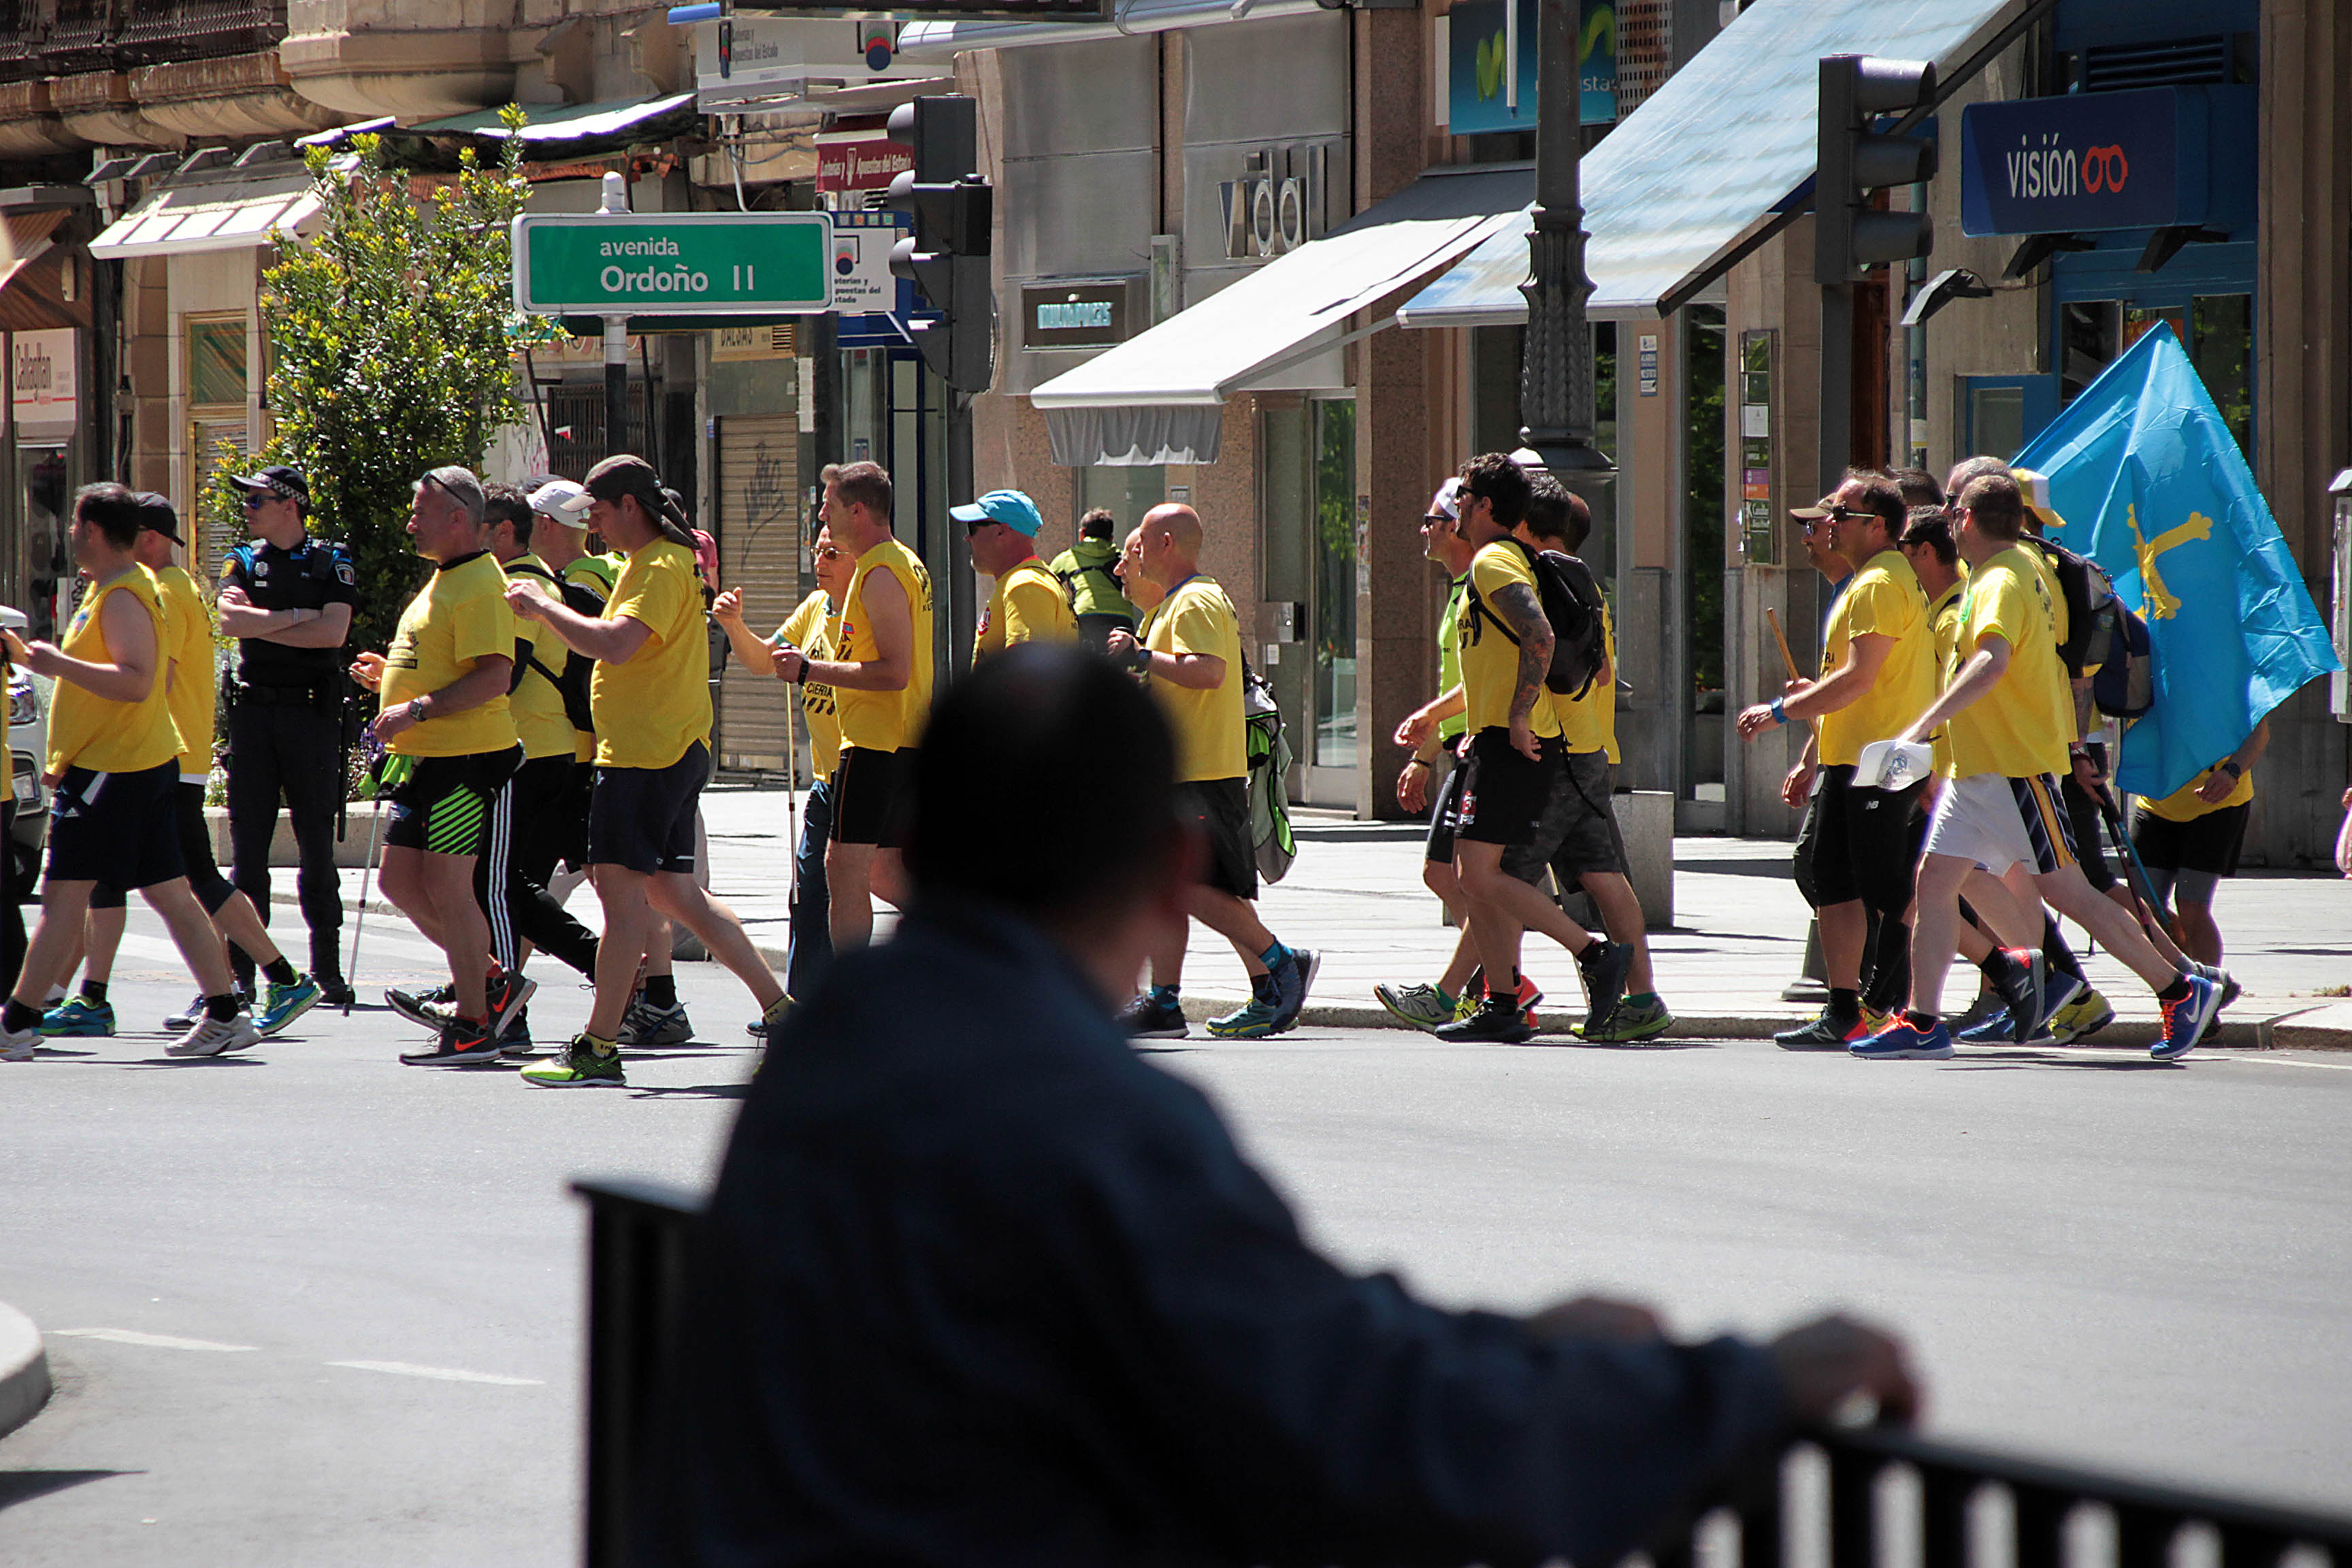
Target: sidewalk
[{"x": 1355, "y": 895}]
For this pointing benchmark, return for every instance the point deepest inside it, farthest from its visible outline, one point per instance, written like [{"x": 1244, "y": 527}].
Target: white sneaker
[
  {"x": 210, "y": 1037},
  {"x": 18, "y": 1044},
  {"x": 187, "y": 1017}
]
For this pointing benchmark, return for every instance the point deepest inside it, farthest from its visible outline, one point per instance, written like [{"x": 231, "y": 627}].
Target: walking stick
[
  {"x": 358, "y": 924},
  {"x": 1782, "y": 638},
  {"x": 791, "y": 797}
]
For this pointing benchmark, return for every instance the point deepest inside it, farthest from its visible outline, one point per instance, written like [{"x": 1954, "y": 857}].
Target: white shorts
[{"x": 1997, "y": 822}]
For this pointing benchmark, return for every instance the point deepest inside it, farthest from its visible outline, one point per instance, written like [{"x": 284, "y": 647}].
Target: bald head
[{"x": 1171, "y": 543}]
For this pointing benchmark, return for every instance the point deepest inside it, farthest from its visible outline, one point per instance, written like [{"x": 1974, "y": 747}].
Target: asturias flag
[{"x": 2153, "y": 486}]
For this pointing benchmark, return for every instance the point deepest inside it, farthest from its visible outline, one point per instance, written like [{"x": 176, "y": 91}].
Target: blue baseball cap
[{"x": 1011, "y": 508}]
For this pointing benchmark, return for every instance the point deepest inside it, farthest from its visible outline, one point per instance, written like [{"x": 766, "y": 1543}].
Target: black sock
[
  {"x": 1995, "y": 964},
  {"x": 2061, "y": 957},
  {"x": 280, "y": 970},
  {"x": 94, "y": 993},
  {"x": 2172, "y": 992},
  {"x": 17, "y": 1017},
  {"x": 661, "y": 991},
  {"x": 1844, "y": 1003},
  {"x": 1917, "y": 1019},
  {"x": 220, "y": 1009}
]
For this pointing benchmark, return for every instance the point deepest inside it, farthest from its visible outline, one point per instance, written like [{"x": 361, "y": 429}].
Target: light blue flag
[{"x": 2154, "y": 489}]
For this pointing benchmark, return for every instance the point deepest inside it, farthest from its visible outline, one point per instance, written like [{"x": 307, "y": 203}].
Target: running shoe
[
  {"x": 2231, "y": 989},
  {"x": 462, "y": 1042},
  {"x": 2019, "y": 980},
  {"x": 515, "y": 1045},
  {"x": 645, "y": 1027},
  {"x": 1291, "y": 985},
  {"x": 1869, "y": 1024},
  {"x": 212, "y": 1036},
  {"x": 1903, "y": 1040},
  {"x": 1421, "y": 1006},
  {"x": 1530, "y": 997},
  {"x": 416, "y": 1007},
  {"x": 1499, "y": 1019},
  {"x": 1826, "y": 1033},
  {"x": 18, "y": 1044},
  {"x": 1988, "y": 1005},
  {"x": 2186, "y": 1021},
  {"x": 2058, "y": 993},
  {"x": 579, "y": 1065},
  {"x": 1604, "y": 965},
  {"x": 78, "y": 1018},
  {"x": 1632, "y": 1022},
  {"x": 1144, "y": 1019},
  {"x": 186, "y": 1017},
  {"x": 506, "y": 993},
  {"x": 1253, "y": 1020},
  {"x": 281, "y": 1005},
  {"x": 333, "y": 989},
  {"x": 2086, "y": 1015},
  {"x": 1996, "y": 1029}
]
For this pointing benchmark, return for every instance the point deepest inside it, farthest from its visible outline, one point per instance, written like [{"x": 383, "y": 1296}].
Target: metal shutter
[{"x": 759, "y": 533}]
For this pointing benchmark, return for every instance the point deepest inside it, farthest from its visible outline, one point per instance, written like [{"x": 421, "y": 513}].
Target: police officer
[{"x": 288, "y": 600}]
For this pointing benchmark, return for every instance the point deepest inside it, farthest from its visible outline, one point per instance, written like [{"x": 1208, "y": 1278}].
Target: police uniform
[{"x": 285, "y": 733}]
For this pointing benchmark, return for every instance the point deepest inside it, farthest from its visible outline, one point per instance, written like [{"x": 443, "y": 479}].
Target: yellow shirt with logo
[
  {"x": 193, "y": 687},
  {"x": 540, "y": 720},
  {"x": 1944, "y": 623},
  {"x": 457, "y": 619},
  {"x": 653, "y": 707},
  {"x": 1028, "y": 607},
  {"x": 2021, "y": 727},
  {"x": 1588, "y": 724},
  {"x": 1197, "y": 617},
  {"x": 1884, "y": 599},
  {"x": 2184, "y": 805},
  {"x": 1490, "y": 659},
  {"x": 884, "y": 720},
  {"x": 87, "y": 730},
  {"x": 596, "y": 573},
  {"x": 804, "y": 629}
]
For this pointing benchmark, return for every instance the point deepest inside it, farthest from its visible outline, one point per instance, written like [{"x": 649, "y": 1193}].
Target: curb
[{"x": 23, "y": 1370}]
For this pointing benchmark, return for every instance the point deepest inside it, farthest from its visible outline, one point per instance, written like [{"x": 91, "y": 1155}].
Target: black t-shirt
[{"x": 311, "y": 576}]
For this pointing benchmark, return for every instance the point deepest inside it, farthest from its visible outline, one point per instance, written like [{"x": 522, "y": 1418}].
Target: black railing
[{"x": 1840, "y": 1498}]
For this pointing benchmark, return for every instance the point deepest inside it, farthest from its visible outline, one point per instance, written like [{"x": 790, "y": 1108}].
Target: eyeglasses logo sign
[{"x": 2104, "y": 168}]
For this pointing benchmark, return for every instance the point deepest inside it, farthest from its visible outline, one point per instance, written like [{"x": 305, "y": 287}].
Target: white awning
[
  {"x": 230, "y": 215},
  {"x": 1717, "y": 153},
  {"x": 1155, "y": 398},
  {"x": 940, "y": 41}
]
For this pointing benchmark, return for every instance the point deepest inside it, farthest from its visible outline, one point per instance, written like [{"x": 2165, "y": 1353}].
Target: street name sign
[{"x": 674, "y": 264}]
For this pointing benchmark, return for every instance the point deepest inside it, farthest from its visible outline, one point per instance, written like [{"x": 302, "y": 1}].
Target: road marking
[
  {"x": 445, "y": 1374},
  {"x": 157, "y": 1342},
  {"x": 2286, "y": 1062}
]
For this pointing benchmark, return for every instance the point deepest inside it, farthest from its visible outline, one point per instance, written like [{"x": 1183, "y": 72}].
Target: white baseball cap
[{"x": 563, "y": 500}]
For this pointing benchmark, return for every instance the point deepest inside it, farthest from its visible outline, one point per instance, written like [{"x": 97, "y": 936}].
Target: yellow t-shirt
[
  {"x": 1882, "y": 599},
  {"x": 87, "y": 730},
  {"x": 1197, "y": 617},
  {"x": 1588, "y": 724},
  {"x": 804, "y": 629},
  {"x": 653, "y": 708},
  {"x": 884, "y": 720},
  {"x": 537, "y": 704},
  {"x": 2022, "y": 726},
  {"x": 1028, "y": 607},
  {"x": 1490, "y": 659},
  {"x": 2183, "y": 804},
  {"x": 1944, "y": 622},
  {"x": 458, "y": 618},
  {"x": 192, "y": 690},
  {"x": 596, "y": 573}
]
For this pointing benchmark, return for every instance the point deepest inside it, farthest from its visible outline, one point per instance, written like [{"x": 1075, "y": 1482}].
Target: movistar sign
[
  {"x": 2086, "y": 161},
  {"x": 673, "y": 264}
]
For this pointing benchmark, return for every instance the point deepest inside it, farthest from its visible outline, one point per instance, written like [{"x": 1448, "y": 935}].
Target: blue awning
[{"x": 1712, "y": 157}]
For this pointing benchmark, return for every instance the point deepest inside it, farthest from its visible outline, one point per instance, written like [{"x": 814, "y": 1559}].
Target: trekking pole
[
  {"x": 358, "y": 924},
  {"x": 2142, "y": 886},
  {"x": 792, "y": 799}
]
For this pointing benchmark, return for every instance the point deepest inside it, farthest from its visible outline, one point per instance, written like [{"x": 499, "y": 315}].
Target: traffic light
[
  {"x": 1848, "y": 233},
  {"x": 947, "y": 256}
]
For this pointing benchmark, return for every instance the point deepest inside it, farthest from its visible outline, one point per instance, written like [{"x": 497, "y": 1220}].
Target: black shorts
[
  {"x": 1443, "y": 809},
  {"x": 196, "y": 862},
  {"x": 2083, "y": 814},
  {"x": 1506, "y": 793},
  {"x": 2210, "y": 843},
  {"x": 873, "y": 797},
  {"x": 641, "y": 819},
  {"x": 1577, "y": 831},
  {"x": 572, "y": 831},
  {"x": 119, "y": 829},
  {"x": 1864, "y": 849},
  {"x": 1220, "y": 809},
  {"x": 443, "y": 807}
]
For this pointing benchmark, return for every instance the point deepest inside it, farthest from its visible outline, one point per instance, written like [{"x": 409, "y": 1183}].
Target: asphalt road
[{"x": 308, "y": 1305}]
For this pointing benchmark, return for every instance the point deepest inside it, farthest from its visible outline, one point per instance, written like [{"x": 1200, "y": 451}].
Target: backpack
[
  {"x": 2090, "y": 604},
  {"x": 572, "y": 684},
  {"x": 1268, "y": 752},
  {"x": 1572, "y": 601},
  {"x": 2124, "y": 686}
]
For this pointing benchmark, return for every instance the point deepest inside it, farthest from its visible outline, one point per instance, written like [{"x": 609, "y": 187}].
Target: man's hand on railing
[{"x": 1828, "y": 1361}]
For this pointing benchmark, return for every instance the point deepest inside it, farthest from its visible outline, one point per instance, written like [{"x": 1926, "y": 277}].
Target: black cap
[
  {"x": 625, "y": 474},
  {"x": 285, "y": 483},
  {"x": 157, "y": 515}
]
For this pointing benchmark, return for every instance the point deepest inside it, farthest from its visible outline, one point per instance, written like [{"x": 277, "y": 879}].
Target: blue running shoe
[
  {"x": 1254, "y": 1020},
  {"x": 1291, "y": 987},
  {"x": 76, "y": 1017},
  {"x": 281, "y": 1005},
  {"x": 2186, "y": 1021},
  {"x": 1994, "y": 1029},
  {"x": 1902, "y": 1041}
]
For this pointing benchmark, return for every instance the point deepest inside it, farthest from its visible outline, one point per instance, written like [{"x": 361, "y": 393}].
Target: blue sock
[
  {"x": 1274, "y": 957},
  {"x": 1163, "y": 996}
]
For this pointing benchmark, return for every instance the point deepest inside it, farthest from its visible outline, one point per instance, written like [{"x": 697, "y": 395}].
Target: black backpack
[
  {"x": 1572, "y": 601},
  {"x": 572, "y": 684},
  {"x": 2093, "y": 611}
]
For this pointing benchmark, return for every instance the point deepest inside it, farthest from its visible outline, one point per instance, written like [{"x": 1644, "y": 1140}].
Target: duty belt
[{"x": 240, "y": 693}]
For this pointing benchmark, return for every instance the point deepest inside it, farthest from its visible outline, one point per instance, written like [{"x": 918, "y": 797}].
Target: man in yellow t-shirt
[
  {"x": 2008, "y": 716},
  {"x": 880, "y": 673},
  {"x": 1878, "y": 671},
  {"x": 1516, "y": 755},
  {"x": 650, "y": 701},
  {"x": 810, "y": 951},
  {"x": 1028, "y": 605},
  {"x": 450, "y": 732},
  {"x": 113, "y": 761},
  {"x": 1189, "y": 652},
  {"x": 2189, "y": 840}
]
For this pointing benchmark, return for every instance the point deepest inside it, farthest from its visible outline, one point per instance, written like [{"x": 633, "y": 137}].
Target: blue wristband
[{"x": 1779, "y": 714}]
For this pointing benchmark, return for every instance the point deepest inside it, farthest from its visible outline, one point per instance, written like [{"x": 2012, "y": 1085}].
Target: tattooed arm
[{"x": 1520, "y": 610}]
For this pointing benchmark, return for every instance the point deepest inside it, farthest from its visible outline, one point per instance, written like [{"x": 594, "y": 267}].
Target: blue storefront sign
[
  {"x": 1478, "y": 84},
  {"x": 2148, "y": 159}
]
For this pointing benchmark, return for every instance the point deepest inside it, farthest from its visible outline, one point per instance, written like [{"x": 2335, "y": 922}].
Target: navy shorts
[{"x": 641, "y": 819}]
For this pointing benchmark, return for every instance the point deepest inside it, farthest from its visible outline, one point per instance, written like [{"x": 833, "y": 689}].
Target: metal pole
[
  {"x": 617, "y": 338},
  {"x": 1556, "y": 369},
  {"x": 963, "y": 613},
  {"x": 1837, "y": 385}
]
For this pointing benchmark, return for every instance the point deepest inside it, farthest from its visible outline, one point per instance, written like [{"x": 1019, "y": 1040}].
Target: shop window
[
  {"x": 1128, "y": 493},
  {"x": 216, "y": 361},
  {"x": 2087, "y": 333},
  {"x": 1335, "y": 584},
  {"x": 2001, "y": 412}
]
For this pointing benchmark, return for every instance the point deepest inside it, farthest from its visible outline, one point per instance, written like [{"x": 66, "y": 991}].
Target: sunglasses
[
  {"x": 254, "y": 500},
  {"x": 828, "y": 554}
]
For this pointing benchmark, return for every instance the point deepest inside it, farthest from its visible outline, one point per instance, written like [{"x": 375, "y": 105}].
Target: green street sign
[{"x": 673, "y": 264}]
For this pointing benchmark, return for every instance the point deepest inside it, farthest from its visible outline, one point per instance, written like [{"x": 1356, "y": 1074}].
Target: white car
[{"x": 28, "y": 744}]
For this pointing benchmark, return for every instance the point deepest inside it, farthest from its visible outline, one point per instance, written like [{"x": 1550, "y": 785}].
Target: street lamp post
[{"x": 1556, "y": 368}]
